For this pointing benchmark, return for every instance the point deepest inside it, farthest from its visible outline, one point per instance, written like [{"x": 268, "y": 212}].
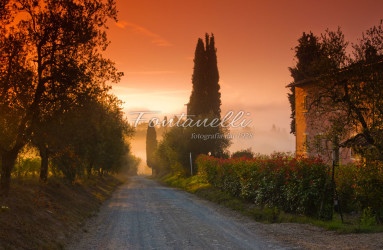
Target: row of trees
[
  {"x": 350, "y": 84},
  {"x": 53, "y": 90},
  {"x": 91, "y": 137},
  {"x": 172, "y": 154}
]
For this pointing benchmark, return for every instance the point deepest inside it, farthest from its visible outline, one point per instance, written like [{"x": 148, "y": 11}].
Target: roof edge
[{"x": 294, "y": 84}]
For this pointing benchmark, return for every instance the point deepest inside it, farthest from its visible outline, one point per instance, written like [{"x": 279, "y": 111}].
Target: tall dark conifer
[
  {"x": 151, "y": 146},
  {"x": 214, "y": 96},
  {"x": 205, "y": 98}
]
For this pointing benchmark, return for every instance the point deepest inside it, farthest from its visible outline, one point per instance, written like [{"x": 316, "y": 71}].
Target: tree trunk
[
  {"x": 44, "y": 154},
  {"x": 8, "y": 160}
]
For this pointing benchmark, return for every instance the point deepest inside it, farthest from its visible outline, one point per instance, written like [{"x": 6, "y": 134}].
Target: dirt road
[{"x": 145, "y": 215}]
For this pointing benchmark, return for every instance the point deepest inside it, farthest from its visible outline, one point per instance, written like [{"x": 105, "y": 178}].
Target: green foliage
[
  {"x": 202, "y": 140},
  {"x": 292, "y": 185},
  {"x": 368, "y": 219},
  {"x": 297, "y": 185},
  {"x": 93, "y": 138},
  {"x": 360, "y": 187},
  {"x": 151, "y": 145},
  {"x": 27, "y": 166},
  {"x": 345, "y": 179},
  {"x": 199, "y": 186},
  {"x": 173, "y": 152},
  {"x": 369, "y": 188},
  {"x": 244, "y": 153},
  {"x": 205, "y": 98},
  {"x": 50, "y": 56}
]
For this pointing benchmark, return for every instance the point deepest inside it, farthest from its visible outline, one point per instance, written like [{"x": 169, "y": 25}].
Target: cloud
[
  {"x": 121, "y": 25},
  {"x": 156, "y": 38}
]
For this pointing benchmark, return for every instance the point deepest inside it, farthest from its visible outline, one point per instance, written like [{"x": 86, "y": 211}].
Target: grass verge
[
  {"x": 44, "y": 216},
  {"x": 204, "y": 190}
]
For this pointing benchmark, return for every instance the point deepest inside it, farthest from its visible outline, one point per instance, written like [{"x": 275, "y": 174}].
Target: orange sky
[{"x": 154, "y": 42}]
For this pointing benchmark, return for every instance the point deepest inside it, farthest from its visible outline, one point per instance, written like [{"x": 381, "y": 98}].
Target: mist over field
[
  {"x": 262, "y": 141},
  {"x": 138, "y": 144},
  {"x": 269, "y": 129},
  {"x": 259, "y": 140}
]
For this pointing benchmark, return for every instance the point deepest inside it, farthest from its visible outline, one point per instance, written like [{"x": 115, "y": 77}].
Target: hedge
[{"x": 296, "y": 185}]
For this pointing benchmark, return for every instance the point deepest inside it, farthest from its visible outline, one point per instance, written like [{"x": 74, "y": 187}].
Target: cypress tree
[
  {"x": 214, "y": 96},
  {"x": 151, "y": 146},
  {"x": 205, "y": 98}
]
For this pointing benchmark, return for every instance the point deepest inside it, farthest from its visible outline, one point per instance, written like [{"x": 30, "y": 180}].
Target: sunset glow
[
  {"x": 191, "y": 124},
  {"x": 154, "y": 42}
]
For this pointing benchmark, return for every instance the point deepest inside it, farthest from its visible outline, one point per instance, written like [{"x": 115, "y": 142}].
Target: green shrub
[
  {"x": 368, "y": 219},
  {"x": 298, "y": 185},
  {"x": 293, "y": 185},
  {"x": 360, "y": 187},
  {"x": 27, "y": 166},
  {"x": 345, "y": 179},
  {"x": 245, "y": 153},
  {"x": 369, "y": 188}
]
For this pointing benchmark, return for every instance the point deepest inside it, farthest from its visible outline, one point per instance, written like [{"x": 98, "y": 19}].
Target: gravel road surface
[{"x": 143, "y": 214}]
